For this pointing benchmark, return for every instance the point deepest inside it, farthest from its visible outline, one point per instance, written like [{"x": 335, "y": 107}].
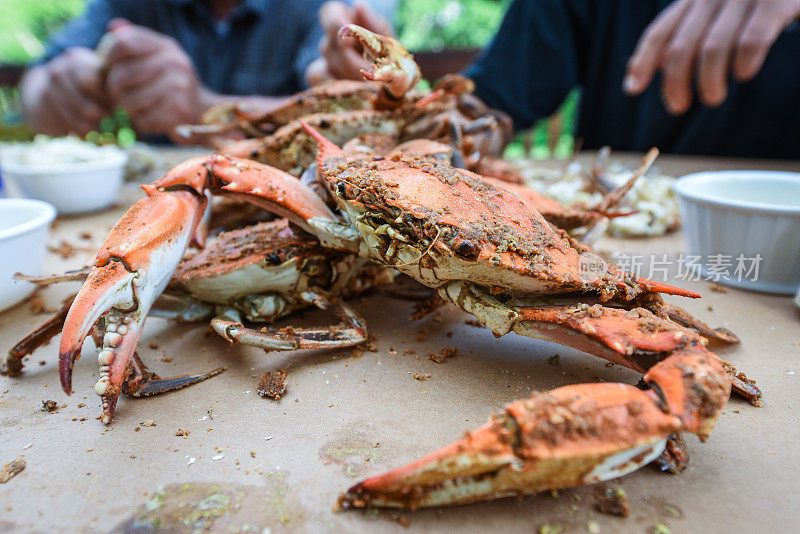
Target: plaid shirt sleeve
[{"x": 309, "y": 49}]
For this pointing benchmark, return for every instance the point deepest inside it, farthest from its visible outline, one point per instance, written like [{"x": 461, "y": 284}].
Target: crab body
[
  {"x": 482, "y": 248},
  {"x": 385, "y": 103}
]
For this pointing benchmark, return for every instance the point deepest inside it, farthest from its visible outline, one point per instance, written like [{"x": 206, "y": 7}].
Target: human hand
[
  {"x": 706, "y": 39},
  {"x": 342, "y": 57},
  {"x": 152, "y": 78},
  {"x": 66, "y": 95}
]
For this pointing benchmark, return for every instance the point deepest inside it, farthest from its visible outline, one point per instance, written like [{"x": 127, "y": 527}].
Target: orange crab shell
[{"x": 473, "y": 230}]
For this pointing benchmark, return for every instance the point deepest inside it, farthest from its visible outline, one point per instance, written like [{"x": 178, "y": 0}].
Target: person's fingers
[
  {"x": 350, "y": 66},
  {"x": 89, "y": 109},
  {"x": 162, "y": 115},
  {"x": 68, "y": 94},
  {"x": 139, "y": 100},
  {"x": 130, "y": 41},
  {"x": 118, "y": 22},
  {"x": 64, "y": 115},
  {"x": 371, "y": 20},
  {"x": 334, "y": 15},
  {"x": 766, "y": 23},
  {"x": 716, "y": 50},
  {"x": 126, "y": 75},
  {"x": 343, "y": 62},
  {"x": 679, "y": 56},
  {"x": 646, "y": 58},
  {"x": 89, "y": 77}
]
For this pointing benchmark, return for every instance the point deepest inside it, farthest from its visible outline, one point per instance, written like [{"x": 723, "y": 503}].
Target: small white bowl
[
  {"x": 749, "y": 214},
  {"x": 24, "y": 225},
  {"x": 71, "y": 187}
]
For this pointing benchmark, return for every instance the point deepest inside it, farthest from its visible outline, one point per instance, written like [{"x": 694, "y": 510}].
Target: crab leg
[
  {"x": 78, "y": 275},
  {"x": 348, "y": 334},
  {"x": 266, "y": 187},
  {"x": 142, "y": 382},
  {"x": 37, "y": 338},
  {"x": 572, "y": 435}
]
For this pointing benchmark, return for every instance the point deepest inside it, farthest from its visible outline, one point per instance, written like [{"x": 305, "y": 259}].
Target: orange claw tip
[
  {"x": 659, "y": 287},
  {"x": 65, "y": 362},
  {"x": 326, "y": 147},
  {"x": 430, "y": 97},
  {"x": 617, "y": 214},
  {"x": 346, "y": 31}
]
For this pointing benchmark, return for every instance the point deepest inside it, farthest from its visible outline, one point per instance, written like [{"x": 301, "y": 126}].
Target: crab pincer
[
  {"x": 390, "y": 63},
  {"x": 130, "y": 271},
  {"x": 140, "y": 254}
]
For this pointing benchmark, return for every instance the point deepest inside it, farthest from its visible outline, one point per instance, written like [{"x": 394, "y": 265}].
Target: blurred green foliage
[
  {"x": 439, "y": 24},
  {"x": 25, "y": 25}
]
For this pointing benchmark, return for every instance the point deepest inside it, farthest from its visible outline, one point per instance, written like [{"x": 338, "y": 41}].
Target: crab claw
[
  {"x": 131, "y": 270},
  {"x": 570, "y": 436},
  {"x": 391, "y": 63}
]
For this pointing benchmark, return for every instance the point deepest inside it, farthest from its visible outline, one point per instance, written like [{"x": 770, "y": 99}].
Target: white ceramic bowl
[
  {"x": 748, "y": 213},
  {"x": 24, "y": 225},
  {"x": 71, "y": 187}
]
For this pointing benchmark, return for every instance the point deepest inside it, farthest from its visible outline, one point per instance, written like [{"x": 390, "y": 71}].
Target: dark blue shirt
[
  {"x": 263, "y": 47},
  {"x": 545, "y": 48}
]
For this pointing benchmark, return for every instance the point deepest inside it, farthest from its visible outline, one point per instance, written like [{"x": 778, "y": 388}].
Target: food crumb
[
  {"x": 554, "y": 359},
  {"x": 473, "y": 322},
  {"x": 661, "y": 528},
  {"x": 42, "y": 362},
  {"x": 149, "y": 422},
  {"x": 50, "y": 406},
  {"x": 447, "y": 352},
  {"x": 153, "y": 345},
  {"x": 718, "y": 288},
  {"x": 252, "y": 454},
  {"x": 612, "y": 501},
  {"x": 411, "y": 352},
  {"x": 395, "y": 518},
  {"x": 63, "y": 249},
  {"x": 420, "y": 376},
  {"x": 672, "y": 510},
  {"x": 272, "y": 384},
  {"x": 182, "y": 433},
  {"x": 12, "y": 469},
  {"x": 593, "y": 527},
  {"x": 548, "y": 528},
  {"x": 166, "y": 359},
  {"x": 36, "y": 305}
]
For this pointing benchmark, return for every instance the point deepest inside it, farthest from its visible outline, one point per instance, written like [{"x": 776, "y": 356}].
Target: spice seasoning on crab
[
  {"x": 490, "y": 254},
  {"x": 415, "y": 214},
  {"x": 138, "y": 258},
  {"x": 437, "y": 223}
]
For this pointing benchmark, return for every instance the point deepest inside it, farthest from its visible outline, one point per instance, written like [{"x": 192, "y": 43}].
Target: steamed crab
[
  {"x": 385, "y": 103},
  {"x": 481, "y": 248},
  {"x": 247, "y": 276}
]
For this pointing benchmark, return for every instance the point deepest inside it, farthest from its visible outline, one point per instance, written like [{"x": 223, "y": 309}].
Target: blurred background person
[
  {"x": 715, "y": 77},
  {"x": 167, "y": 61}
]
